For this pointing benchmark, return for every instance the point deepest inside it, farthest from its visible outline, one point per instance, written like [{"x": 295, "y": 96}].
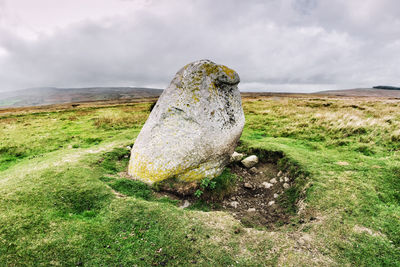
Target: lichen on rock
[{"x": 194, "y": 127}]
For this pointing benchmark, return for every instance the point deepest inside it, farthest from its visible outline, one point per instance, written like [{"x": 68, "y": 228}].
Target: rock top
[{"x": 193, "y": 129}]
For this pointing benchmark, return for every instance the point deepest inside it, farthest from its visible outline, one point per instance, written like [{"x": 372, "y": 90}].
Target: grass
[
  {"x": 59, "y": 183},
  {"x": 222, "y": 185}
]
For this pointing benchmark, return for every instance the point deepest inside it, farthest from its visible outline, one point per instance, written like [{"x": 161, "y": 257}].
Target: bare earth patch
[{"x": 254, "y": 199}]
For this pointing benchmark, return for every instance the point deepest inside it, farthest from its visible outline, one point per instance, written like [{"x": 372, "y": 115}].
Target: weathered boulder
[{"x": 193, "y": 129}]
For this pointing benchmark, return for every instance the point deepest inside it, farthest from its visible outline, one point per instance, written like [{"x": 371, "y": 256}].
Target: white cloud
[{"x": 296, "y": 45}]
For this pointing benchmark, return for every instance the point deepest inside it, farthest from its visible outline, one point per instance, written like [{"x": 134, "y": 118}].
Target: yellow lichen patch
[
  {"x": 195, "y": 174},
  {"x": 210, "y": 68},
  {"x": 144, "y": 170},
  {"x": 195, "y": 97},
  {"x": 213, "y": 89},
  {"x": 228, "y": 71}
]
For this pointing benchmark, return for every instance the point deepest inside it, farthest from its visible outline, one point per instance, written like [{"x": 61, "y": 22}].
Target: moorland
[{"x": 65, "y": 199}]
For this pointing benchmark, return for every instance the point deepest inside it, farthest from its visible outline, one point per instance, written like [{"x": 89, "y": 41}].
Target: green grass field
[{"x": 63, "y": 203}]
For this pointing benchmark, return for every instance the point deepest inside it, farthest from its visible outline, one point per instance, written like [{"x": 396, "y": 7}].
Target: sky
[{"x": 274, "y": 45}]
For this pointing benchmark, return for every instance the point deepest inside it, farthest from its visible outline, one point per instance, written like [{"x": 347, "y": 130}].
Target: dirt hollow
[{"x": 254, "y": 199}]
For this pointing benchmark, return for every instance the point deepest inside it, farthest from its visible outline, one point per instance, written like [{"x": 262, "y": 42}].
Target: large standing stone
[{"x": 193, "y": 129}]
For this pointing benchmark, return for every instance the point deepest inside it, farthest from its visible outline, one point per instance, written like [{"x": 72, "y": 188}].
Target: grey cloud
[{"x": 294, "y": 44}]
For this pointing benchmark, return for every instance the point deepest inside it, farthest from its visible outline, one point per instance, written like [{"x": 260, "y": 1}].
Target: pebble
[
  {"x": 276, "y": 195},
  {"x": 247, "y": 185},
  {"x": 267, "y": 185},
  {"x": 253, "y": 170},
  {"x": 185, "y": 204},
  {"x": 128, "y": 147},
  {"x": 234, "y": 204},
  {"x": 286, "y": 185},
  {"x": 279, "y": 173},
  {"x": 281, "y": 179},
  {"x": 271, "y": 203},
  {"x": 286, "y": 179},
  {"x": 250, "y": 161},
  {"x": 236, "y": 156},
  {"x": 273, "y": 181},
  {"x": 251, "y": 210}
]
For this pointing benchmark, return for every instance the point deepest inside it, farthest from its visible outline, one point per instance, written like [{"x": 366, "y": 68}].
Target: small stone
[
  {"x": 286, "y": 185},
  {"x": 276, "y": 195},
  {"x": 250, "y": 161},
  {"x": 185, "y": 204},
  {"x": 281, "y": 180},
  {"x": 271, "y": 203},
  {"x": 253, "y": 170},
  {"x": 236, "y": 156},
  {"x": 273, "y": 181},
  {"x": 251, "y": 210},
  {"x": 248, "y": 186},
  {"x": 234, "y": 204},
  {"x": 286, "y": 179},
  {"x": 279, "y": 173},
  {"x": 267, "y": 185},
  {"x": 128, "y": 147}
]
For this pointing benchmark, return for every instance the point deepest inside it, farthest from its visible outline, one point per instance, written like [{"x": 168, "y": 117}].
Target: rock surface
[
  {"x": 267, "y": 185},
  {"x": 185, "y": 204},
  {"x": 250, "y": 161},
  {"x": 234, "y": 204},
  {"x": 248, "y": 186},
  {"x": 253, "y": 170},
  {"x": 193, "y": 129},
  {"x": 236, "y": 156}
]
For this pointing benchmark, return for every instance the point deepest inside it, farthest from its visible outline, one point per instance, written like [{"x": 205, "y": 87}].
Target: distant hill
[
  {"x": 374, "y": 92},
  {"x": 387, "y": 87},
  {"x": 52, "y": 95}
]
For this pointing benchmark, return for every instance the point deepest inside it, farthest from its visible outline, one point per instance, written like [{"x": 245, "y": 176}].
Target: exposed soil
[
  {"x": 254, "y": 199},
  {"x": 252, "y": 202}
]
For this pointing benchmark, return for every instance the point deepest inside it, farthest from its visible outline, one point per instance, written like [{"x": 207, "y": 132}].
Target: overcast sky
[{"x": 274, "y": 45}]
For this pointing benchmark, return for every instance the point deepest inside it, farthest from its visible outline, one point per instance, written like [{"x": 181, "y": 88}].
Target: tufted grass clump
[
  {"x": 117, "y": 119},
  {"x": 218, "y": 187}
]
